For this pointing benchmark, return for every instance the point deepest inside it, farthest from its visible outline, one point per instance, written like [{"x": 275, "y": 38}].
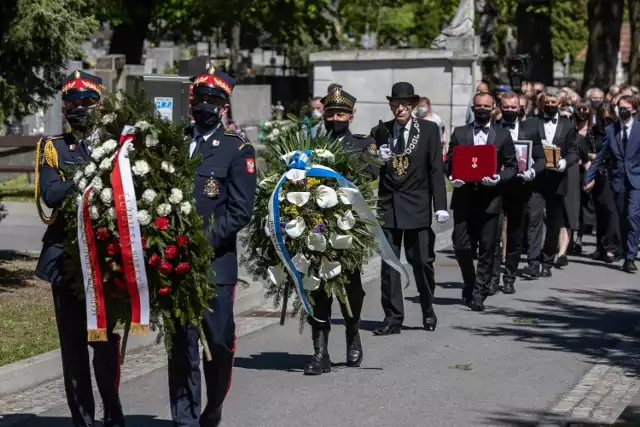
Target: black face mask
[
  {"x": 582, "y": 116},
  {"x": 206, "y": 115},
  {"x": 550, "y": 111},
  {"x": 510, "y": 116},
  {"x": 79, "y": 119},
  {"x": 624, "y": 114},
  {"x": 482, "y": 116},
  {"x": 336, "y": 127},
  {"x": 596, "y": 104}
]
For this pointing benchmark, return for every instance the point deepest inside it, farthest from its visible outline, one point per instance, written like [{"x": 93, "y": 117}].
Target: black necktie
[
  {"x": 399, "y": 149},
  {"x": 625, "y": 138},
  {"x": 199, "y": 142},
  {"x": 509, "y": 125}
]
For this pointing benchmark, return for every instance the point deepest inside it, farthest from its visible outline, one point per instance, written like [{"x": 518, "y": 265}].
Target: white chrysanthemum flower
[
  {"x": 167, "y": 167},
  {"x": 143, "y": 125},
  {"x": 97, "y": 153},
  {"x": 164, "y": 209},
  {"x": 111, "y": 212},
  {"x": 144, "y": 218},
  {"x": 90, "y": 170},
  {"x": 93, "y": 212},
  {"x": 108, "y": 118},
  {"x": 106, "y": 196},
  {"x": 78, "y": 176},
  {"x": 149, "y": 195},
  {"x": 96, "y": 183},
  {"x": 82, "y": 185},
  {"x": 185, "y": 208},
  {"x": 141, "y": 168},
  {"x": 110, "y": 145},
  {"x": 275, "y": 132},
  {"x": 105, "y": 165},
  {"x": 176, "y": 196},
  {"x": 151, "y": 140}
]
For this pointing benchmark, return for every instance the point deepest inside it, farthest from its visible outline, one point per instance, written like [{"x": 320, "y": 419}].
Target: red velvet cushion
[{"x": 471, "y": 163}]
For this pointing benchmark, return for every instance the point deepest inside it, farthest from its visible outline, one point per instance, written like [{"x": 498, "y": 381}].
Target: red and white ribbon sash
[
  {"x": 89, "y": 261},
  {"x": 133, "y": 263}
]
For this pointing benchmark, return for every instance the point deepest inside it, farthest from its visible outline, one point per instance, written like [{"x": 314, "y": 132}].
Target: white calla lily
[
  {"x": 339, "y": 241},
  {"x": 347, "y": 221},
  {"x": 327, "y": 197},
  {"x": 277, "y": 275},
  {"x": 295, "y": 227},
  {"x": 347, "y": 195},
  {"x": 296, "y": 175},
  {"x": 316, "y": 242},
  {"x": 267, "y": 181},
  {"x": 298, "y": 198},
  {"x": 325, "y": 154},
  {"x": 311, "y": 283},
  {"x": 329, "y": 269},
  {"x": 301, "y": 263}
]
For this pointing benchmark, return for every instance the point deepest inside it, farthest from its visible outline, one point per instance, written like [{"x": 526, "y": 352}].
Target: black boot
[
  {"x": 354, "y": 345},
  {"x": 320, "y": 362}
]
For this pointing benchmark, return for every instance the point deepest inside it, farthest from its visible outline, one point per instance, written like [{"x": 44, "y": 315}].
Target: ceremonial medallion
[
  {"x": 401, "y": 164},
  {"x": 211, "y": 188},
  {"x": 474, "y": 162},
  {"x": 373, "y": 149},
  {"x": 215, "y": 142}
]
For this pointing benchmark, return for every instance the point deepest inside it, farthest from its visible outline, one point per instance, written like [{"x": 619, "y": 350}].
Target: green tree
[{"x": 37, "y": 39}]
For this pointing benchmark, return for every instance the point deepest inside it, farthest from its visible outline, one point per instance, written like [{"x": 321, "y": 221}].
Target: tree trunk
[
  {"x": 634, "y": 48},
  {"x": 128, "y": 38},
  {"x": 605, "y": 20},
  {"x": 533, "y": 20},
  {"x": 235, "y": 49}
]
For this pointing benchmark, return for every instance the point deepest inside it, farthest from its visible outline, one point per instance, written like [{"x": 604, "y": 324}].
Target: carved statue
[
  {"x": 488, "y": 13},
  {"x": 461, "y": 25}
]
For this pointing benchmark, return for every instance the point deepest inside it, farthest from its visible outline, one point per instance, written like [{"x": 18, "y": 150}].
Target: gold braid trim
[
  {"x": 138, "y": 330},
  {"x": 94, "y": 335},
  {"x": 50, "y": 156}
]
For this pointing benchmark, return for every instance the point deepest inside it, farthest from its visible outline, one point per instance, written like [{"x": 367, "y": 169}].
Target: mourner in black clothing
[
  {"x": 411, "y": 183},
  {"x": 477, "y": 206}
]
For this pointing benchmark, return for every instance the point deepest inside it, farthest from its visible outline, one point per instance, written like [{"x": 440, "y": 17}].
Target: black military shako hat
[
  {"x": 214, "y": 82},
  {"x": 339, "y": 99},
  {"x": 81, "y": 85}
]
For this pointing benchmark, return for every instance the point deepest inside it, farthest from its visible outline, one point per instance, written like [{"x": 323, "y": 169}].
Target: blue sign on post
[{"x": 164, "y": 107}]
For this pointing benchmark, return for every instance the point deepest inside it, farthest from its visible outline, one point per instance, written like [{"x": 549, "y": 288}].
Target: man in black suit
[
  {"x": 551, "y": 186},
  {"x": 477, "y": 206},
  {"x": 516, "y": 192},
  {"x": 411, "y": 181}
]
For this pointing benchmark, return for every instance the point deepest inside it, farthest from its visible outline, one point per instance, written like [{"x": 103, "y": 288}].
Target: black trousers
[
  {"x": 323, "y": 303},
  {"x": 607, "y": 219},
  {"x": 514, "y": 211},
  {"x": 184, "y": 362},
  {"x": 554, "y": 220},
  {"x": 535, "y": 228},
  {"x": 469, "y": 226},
  {"x": 419, "y": 247},
  {"x": 72, "y": 329}
]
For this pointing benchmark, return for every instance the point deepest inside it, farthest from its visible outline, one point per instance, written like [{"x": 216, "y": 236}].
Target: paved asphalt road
[{"x": 505, "y": 367}]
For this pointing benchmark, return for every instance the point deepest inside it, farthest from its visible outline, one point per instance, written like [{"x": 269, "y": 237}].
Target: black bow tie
[
  {"x": 509, "y": 125},
  {"x": 478, "y": 128},
  {"x": 553, "y": 120}
]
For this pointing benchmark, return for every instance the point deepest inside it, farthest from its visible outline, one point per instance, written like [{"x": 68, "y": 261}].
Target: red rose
[
  {"x": 182, "y": 240},
  {"x": 120, "y": 283},
  {"x": 183, "y": 268},
  {"x": 113, "y": 248},
  {"x": 171, "y": 252},
  {"x": 155, "y": 261},
  {"x": 164, "y": 291},
  {"x": 102, "y": 233},
  {"x": 166, "y": 268},
  {"x": 162, "y": 223},
  {"x": 144, "y": 243}
]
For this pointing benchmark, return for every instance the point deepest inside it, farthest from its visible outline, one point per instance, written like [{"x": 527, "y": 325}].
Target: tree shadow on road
[
  {"x": 273, "y": 361},
  {"x": 16, "y": 270},
  {"x": 32, "y": 420}
]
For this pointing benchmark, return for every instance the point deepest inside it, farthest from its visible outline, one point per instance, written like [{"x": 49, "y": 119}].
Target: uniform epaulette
[
  {"x": 244, "y": 144},
  {"x": 361, "y": 136},
  {"x": 236, "y": 135},
  {"x": 50, "y": 157}
]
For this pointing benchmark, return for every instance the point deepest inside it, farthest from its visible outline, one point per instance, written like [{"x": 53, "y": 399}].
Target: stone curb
[{"x": 31, "y": 372}]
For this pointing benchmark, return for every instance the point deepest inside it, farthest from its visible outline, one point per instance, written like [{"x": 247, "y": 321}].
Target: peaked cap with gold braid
[{"x": 340, "y": 100}]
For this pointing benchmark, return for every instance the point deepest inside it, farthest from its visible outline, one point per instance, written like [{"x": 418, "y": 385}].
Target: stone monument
[{"x": 459, "y": 35}]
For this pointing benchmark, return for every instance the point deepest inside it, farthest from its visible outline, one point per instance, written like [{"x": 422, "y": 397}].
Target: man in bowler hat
[{"x": 411, "y": 182}]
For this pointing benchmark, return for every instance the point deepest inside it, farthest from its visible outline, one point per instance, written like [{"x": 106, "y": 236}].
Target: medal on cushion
[
  {"x": 211, "y": 188},
  {"x": 401, "y": 164}
]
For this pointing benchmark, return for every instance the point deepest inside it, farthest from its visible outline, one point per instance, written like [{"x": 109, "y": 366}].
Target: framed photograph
[{"x": 523, "y": 155}]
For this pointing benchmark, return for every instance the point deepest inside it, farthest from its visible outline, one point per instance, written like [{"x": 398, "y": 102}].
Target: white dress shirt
[
  {"x": 480, "y": 137},
  {"x": 550, "y": 129},
  {"x": 192, "y": 146},
  {"x": 515, "y": 131},
  {"x": 396, "y": 133}
]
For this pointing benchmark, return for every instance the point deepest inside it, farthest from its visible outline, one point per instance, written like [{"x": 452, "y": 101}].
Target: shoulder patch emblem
[
  {"x": 251, "y": 166},
  {"x": 372, "y": 148}
]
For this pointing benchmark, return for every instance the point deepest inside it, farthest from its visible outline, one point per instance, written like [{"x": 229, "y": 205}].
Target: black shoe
[
  {"x": 430, "y": 322},
  {"x": 114, "y": 417},
  {"x": 597, "y": 255},
  {"x": 211, "y": 418},
  {"x": 530, "y": 271},
  {"x": 494, "y": 287},
  {"x": 609, "y": 259},
  {"x": 354, "y": 346},
  {"x": 629, "y": 266},
  {"x": 476, "y": 305},
  {"x": 562, "y": 261},
  {"x": 545, "y": 272},
  {"x": 387, "y": 330},
  {"x": 320, "y": 362},
  {"x": 508, "y": 289},
  {"x": 577, "y": 249}
]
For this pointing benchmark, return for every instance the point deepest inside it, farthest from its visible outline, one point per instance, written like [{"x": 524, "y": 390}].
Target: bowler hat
[{"x": 403, "y": 90}]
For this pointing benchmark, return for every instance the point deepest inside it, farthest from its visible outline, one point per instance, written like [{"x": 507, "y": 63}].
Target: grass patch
[
  {"x": 27, "y": 320},
  {"x": 525, "y": 321},
  {"x": 17, "y": 189},
  {"x": 466, "y": 367}
]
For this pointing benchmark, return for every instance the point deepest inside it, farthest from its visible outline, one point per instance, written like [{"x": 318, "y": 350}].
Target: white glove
[
  {"x": 442, "y": 216},
  {"x": 385, "y": 153},
  {"x": 456, "y": 183},
  {"x": 528, "y": 175},
  {"x": 562, "y": 165},
  {"x": 490, "y": 182}
]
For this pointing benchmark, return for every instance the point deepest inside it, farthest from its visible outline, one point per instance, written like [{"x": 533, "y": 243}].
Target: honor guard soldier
[
  {"x": 338, "y": 115},
  {"x": 81, "y": 94},
  {"x": 411, "y": 183},
  {"x": 224, "y": 186}
]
